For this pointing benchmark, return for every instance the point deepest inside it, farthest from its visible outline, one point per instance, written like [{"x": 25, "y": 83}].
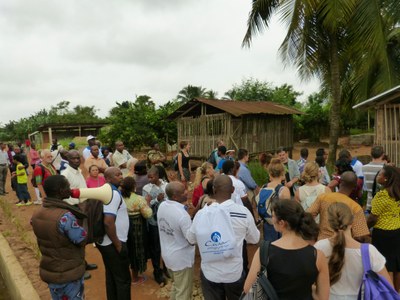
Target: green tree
[
  {"x": 211, "y": 94},
  {"x": 255, "y": 90},
  {"x": 313, "y": 123},
  {"x": 189, "y": 92},
  {"x": 328, "y": 39},
  {"x": 131, "y": 122}
]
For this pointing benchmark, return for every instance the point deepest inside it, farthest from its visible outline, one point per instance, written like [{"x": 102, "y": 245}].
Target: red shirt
[{"x": 48, "y": 171}]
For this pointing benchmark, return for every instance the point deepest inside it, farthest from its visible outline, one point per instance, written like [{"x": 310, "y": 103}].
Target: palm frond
[{"x": 259, "y": 17}]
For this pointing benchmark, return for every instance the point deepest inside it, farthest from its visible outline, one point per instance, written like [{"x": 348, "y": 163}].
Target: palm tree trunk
[{"x": 334, "y": 117}]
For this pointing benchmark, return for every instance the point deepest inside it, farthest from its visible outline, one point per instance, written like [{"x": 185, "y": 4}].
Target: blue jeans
[
  {"x": 22, "y": 192},
  {"x": 73, "y": 290}
]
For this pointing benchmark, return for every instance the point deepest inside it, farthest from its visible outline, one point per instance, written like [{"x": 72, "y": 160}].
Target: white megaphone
[{"x": 103, "y": 193}]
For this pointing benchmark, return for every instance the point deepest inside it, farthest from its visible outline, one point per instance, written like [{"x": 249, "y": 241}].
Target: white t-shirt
[
  {"x": 240, "y": 190},
  {"x": 173, "y": 225},
  {"x": 350, "y": 280},
  {"x": 357, "y": 168},
  {"x": 230, "y": 269},
  {"x": 121, "y": 158},
  {"x": 117, "y": 208}
]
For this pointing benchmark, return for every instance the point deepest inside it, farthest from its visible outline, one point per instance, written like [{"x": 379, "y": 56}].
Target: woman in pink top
[
  {"x": 34, "y": 156},
  {"x": 94, "y": 180}
]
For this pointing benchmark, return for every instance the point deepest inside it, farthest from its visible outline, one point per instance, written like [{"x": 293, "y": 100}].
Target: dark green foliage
[
  {"x": 255, "y": 90},
  {"x": 258, "y": 173},
  {"x": 58, "y": 114},
  {"x": 139, "y": 123},
  {"x": 314, "y": 123}
]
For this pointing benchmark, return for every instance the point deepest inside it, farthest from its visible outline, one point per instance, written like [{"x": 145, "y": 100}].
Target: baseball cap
[
  {"x": 72, "y": 145},
  {"x": 90, "y": 137}
]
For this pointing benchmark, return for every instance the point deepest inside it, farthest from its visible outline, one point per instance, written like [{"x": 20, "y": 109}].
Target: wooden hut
[
  {"x": 387, "y": 121},
  {"x": 254, "y": 125}
]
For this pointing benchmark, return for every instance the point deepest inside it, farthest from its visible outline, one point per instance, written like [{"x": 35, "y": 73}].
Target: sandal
[{"x": 139, "y": 280}]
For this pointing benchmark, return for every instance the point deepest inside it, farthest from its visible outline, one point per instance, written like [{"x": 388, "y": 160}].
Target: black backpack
[{"x": 95, "y": 220}]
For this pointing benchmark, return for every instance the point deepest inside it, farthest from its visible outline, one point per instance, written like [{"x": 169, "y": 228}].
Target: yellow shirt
[
  {"x": 21, "y": 174},
  {"x": 387, "y": 209},
  {"x": 138, "y": 205}
]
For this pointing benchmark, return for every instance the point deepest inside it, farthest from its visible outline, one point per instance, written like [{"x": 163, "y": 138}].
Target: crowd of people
[{"x": 315, "y": 223}]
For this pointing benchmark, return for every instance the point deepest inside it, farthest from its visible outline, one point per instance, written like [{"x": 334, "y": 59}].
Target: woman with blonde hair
[
  {"x": 293, "y": 264},
  {"x": 203, "y": 174},
  {"x": 344, "y": 254},
  {"x": 276, "y": 172},
  {"x": 307, "y": 193}
]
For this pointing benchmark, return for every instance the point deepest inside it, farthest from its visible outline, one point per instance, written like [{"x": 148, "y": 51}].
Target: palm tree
[
  {"x": 328, "y": 39},
  {"x": 189, "y": 92},
  {"x": 211, "y": 94}
]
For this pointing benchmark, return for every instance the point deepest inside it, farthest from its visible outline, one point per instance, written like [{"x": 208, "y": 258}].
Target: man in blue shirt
[{"x": 222, "y": 157}]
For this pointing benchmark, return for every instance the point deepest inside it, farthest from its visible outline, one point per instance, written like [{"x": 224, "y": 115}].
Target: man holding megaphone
[{"x": 113, "y": 248}]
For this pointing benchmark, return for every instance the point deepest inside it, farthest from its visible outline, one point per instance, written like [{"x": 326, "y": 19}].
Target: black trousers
[
  {"x": 222, "y": 291},
  {"x": 155, "y": 250},
  {"x": 118, "y": 276}
]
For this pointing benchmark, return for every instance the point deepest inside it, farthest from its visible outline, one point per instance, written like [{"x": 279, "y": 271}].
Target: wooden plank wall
[
  {"x": 203, "y": 132},
  {"x": 254, "y": 133},
  {"x": 264, "y": 133},
  {"x": 388, "y": 130}
]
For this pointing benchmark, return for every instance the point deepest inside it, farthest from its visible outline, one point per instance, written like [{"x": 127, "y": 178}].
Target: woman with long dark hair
[
  {"x": 385, "y": 219},
  {"x": 183, "y": 159},
  {"x": 344, "y": 255},
  {"x": 293, "y": 264}
]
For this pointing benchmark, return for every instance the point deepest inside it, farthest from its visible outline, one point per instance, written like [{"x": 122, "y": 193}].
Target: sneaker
[
  {"x": 38, "y": 202},
  {"x": 28, "y": 203},
  {"x": 20, "y": 204}
]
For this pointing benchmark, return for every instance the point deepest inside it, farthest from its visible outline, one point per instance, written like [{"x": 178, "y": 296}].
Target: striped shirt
[{"x": 370, "y": 170}]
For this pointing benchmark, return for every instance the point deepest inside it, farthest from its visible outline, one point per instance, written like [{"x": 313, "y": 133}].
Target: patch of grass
[
  {"x": 6, "y": 207},
  {"x": 6, "y": 233},
  {"x": 258, "y": 173}
]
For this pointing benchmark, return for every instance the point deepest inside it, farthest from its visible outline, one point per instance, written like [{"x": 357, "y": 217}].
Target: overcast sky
[{"x": 99, "y": 52}]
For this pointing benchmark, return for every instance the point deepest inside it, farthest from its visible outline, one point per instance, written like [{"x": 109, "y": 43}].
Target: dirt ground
[{"x": 16, "y": 228}]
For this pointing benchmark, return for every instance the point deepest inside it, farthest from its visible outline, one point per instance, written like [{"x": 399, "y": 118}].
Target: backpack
[
  {"x": 33, "y": 179},
  {"x": 211, "y": 158},
  {"x": 95, "y": 220},
  {"x": 214, "y": 233},
  {"x": 373, "y": 285},
  {"x": 266, "y": 198}
]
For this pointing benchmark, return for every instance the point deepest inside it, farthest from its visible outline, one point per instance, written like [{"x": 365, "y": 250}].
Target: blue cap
[{"x": 72, "y": 145}]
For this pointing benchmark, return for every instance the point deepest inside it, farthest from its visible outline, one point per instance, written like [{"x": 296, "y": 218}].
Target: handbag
[
  {"x": 373, "y": 285},
  {"x": 262, "y": 289}
]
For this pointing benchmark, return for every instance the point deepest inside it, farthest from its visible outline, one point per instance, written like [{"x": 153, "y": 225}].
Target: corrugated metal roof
[
  {"x": 385, "y": 96},
  {"x": 239, "y": 108}
]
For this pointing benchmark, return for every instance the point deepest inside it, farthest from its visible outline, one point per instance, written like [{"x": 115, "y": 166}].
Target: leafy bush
[{"x": 258, "y": 172}]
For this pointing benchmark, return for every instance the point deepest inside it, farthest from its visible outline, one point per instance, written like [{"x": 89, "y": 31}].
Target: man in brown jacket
[{"x": 61, "y": 241}]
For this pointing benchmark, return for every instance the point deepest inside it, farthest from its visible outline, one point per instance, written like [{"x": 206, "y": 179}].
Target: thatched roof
[{"x": 235, "y": 108}]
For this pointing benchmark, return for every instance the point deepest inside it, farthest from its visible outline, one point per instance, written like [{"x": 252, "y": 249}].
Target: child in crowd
[{"x": 22, "y": 179}]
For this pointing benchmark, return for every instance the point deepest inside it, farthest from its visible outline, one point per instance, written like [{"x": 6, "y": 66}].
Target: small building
[
  {"x": 387, "y": 121},
  {"x": 47, "y": 132},
  {"x": 257, "y": 126}
]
